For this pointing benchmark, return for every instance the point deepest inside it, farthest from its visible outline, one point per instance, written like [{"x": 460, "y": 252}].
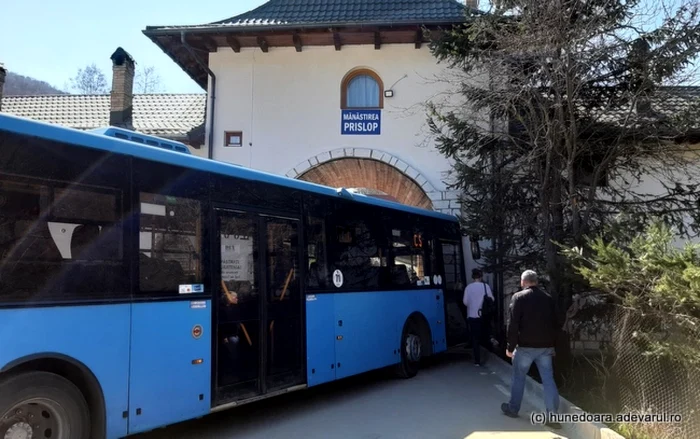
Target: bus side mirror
[{"x": 474, "y": 245}]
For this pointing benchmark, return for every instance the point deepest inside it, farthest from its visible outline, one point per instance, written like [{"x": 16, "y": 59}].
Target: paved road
[{"x": 451, "y": 399}]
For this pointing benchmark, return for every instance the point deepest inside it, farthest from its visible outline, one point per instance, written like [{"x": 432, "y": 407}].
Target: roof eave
[
  {"x": 236, "y": 28},
  {"x": 153, "y": 32},
  {"x": 189, "y": 73}
]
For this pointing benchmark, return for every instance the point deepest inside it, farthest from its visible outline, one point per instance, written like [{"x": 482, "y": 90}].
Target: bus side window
[
  {"x": 61, "y": 222},
  {"x": 169, "y": 243},
  {"x": 171, "y": 201},
  {"x": 408, "y": 249},
  {"x": 452, "y": 261},
  {"x": 59, "y": 241},
  {"x": 356, "y": 247},
  {"x": 317, "y": 277}
]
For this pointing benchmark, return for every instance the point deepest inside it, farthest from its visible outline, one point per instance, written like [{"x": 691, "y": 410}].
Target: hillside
[{"x": 19, "y": 85}]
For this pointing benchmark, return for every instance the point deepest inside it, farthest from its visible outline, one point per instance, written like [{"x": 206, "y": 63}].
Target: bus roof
[{"x": 99, "y": 141}]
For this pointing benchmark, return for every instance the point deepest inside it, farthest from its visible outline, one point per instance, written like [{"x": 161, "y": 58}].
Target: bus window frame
[
  {"x": 385, "y": 215},
  {"x": 197, "y": 188},
  {"x": 58, "y": 164}
]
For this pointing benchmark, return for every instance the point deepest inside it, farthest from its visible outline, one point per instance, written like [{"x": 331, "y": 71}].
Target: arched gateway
[{"x": 370, "y": 172}]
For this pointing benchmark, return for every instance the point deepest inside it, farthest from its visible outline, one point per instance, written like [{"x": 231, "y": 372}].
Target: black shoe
[{"x": 505, "y": 408}]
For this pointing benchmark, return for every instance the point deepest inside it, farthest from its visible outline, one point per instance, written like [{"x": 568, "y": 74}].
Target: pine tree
[{"x": 559, "y": 120}]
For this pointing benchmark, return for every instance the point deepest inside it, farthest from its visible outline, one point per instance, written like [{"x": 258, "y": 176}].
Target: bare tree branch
[
  {"x": 562, "y": 122},
  {"x": 89, "y": 80},
  {"x": 147, "y": 80}
]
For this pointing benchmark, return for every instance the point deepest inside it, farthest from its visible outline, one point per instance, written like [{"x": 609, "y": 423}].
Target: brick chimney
[
  {"x": 120, "y": 109},
  {"x": 2, "y": 83}
]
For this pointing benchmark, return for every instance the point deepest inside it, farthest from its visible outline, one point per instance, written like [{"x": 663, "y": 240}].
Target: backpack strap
[{"x": 481, "y": 308}]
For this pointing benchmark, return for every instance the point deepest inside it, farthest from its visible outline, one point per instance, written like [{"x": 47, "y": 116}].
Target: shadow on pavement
[{"x": 449, "y": 398}]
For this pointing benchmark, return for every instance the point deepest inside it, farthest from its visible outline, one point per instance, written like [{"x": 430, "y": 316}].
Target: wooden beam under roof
[
  {"x": 377, "y": 40},
  {"x": 262, "y": 42},
  {"x": 210, "y": 44},
  {"x": 419, "y": 38},
  {"x": 297, "y": 41},
  {"x": 336, "y": 39},
  {"x": 234, "y": 43}
]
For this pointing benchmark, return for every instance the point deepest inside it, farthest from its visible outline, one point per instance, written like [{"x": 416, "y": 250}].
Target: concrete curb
[{"x": 535, "y": 396}]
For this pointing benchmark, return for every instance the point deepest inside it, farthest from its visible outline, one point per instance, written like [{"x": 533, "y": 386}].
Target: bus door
[
  {"x": 450, "y": 277},
  {"x": 259, "y": 331}
]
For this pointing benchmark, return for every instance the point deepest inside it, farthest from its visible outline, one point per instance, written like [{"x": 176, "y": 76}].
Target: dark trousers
[{"x": 475, "y": 332}]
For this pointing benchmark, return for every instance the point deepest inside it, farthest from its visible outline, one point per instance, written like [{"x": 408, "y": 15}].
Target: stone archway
[{"x": 372, "y": 172}]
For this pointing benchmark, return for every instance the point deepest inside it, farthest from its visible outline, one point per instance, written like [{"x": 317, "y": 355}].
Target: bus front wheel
[
  {"x": 42, "y": 405},
  {"x": 411, "y": 350}
]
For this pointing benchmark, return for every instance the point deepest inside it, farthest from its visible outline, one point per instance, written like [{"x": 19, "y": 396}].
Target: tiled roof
[
  {"x": 342, "y": 12},
  {"x": 349, "y": 11},
  {"x": 665, "y": 103},
  {"x": 156, "y": 114},
  {"x": 674, "y": 100}
]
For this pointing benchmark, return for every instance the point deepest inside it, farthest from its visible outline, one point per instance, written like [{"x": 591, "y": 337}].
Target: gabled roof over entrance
[{"x": 300, "y": 23}]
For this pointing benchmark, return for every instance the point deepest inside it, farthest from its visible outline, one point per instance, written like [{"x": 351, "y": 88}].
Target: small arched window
[{"x": 362, "y": 88}]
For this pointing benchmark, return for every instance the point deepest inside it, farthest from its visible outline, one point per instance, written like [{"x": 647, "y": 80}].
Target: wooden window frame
[
  {"x": 346, "y": 82},
  {"x": 229, "y": 134}
]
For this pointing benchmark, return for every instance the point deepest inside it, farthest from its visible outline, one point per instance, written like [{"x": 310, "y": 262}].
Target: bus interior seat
[
  {"x": 36, "y": 244},
  {"x": 83, "y": 244},
  {"x": 315, "y": 277},
  {"x": 7, "y": 238},
  {"x": 158, "y": 274},
  {"x": 371, "y": 276},
  {"x": 399, "y": 275}
]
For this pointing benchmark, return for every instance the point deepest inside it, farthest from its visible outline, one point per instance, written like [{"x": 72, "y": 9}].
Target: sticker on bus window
[
  {"x": 419, "y": 283},
  {"x": 439, "y": 279},
  {"x": 435, "y": 279},
  {"x": 426, "y": 280},
  {"x": 310, "y": 297},
  {"x": 198, "y": 304},
  {"x": 338, "y": 278},
  {"x": 189, "y": 289}
]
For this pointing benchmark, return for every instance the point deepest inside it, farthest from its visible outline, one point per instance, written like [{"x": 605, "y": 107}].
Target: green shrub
[
  {"x": 655, "y": 286},
  {"x": 645, "y": 272}
]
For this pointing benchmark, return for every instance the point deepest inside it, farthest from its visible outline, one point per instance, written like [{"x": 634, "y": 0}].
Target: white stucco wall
[
  {"x": 685, "y": 171},
  {"x": 287, "y": 104}
]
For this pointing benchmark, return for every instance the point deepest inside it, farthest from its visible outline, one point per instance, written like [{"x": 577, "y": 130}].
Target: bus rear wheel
[
  {"x": 42, "y": 405},
  {"x": 411, "y": 350}
]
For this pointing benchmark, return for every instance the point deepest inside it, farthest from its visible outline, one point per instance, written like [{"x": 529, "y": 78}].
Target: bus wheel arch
[
  {"x": 75, "y": 372},
  {"x": 416, "y": 344}
]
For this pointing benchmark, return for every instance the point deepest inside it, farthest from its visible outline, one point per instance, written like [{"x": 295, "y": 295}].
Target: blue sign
[{"x": 361, "y": 122}]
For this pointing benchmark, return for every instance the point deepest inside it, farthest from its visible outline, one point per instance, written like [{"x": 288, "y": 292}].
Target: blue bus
[{"x": 142, "y": 286}]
